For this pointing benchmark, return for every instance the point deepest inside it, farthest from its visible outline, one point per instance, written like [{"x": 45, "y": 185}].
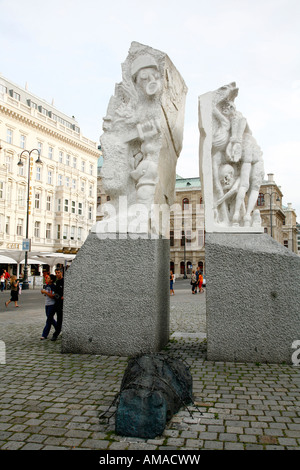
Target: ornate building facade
[{"x": 62, "y": 189}]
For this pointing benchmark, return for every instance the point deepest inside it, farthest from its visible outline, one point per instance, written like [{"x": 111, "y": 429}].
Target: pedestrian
[
  {"x": 14, "y": 291},
  {"x": 197, "y": 278},
  {"x": 6, "y": 277},
  {"x": 2, "y": 280},
  {"x": 200, "y": 282},
  {"x": 172, "y": 283},
  {"x": 194, "y": 282},
  {"x": 59, "y": 302},
  {"x": 49, "y": 292}
]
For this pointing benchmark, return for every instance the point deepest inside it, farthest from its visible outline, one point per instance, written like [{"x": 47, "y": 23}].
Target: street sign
[{"x": 26, "y": 244}]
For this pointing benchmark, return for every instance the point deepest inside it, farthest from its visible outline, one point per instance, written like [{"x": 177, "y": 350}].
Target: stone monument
[
  {"x": 117, "y": 288},
  {"x": 253, "y": 299}
]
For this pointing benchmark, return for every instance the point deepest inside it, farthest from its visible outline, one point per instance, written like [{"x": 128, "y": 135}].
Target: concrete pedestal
[
  {"x": 253, "y": 298},
  {"x": 117, "y": 298}
]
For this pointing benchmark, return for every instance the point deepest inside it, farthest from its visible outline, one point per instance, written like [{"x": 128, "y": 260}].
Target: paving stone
[{"x": 53, "y": 401}]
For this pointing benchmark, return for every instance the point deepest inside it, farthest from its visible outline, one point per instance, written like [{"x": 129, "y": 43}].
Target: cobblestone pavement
[{"x": 50, "y": 400}]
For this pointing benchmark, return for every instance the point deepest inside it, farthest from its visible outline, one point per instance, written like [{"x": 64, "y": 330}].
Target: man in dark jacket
[{"x": 59, "y": 301}]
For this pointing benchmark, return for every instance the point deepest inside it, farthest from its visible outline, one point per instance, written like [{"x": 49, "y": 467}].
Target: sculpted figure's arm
[
  {"x": 227, "y": 195},
  {"x": 221, "y": 118}
]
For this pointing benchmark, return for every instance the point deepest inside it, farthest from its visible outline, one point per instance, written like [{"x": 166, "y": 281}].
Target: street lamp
[
  {"x": 278, "y": 200},
  {"x": 25, "y": 284}
]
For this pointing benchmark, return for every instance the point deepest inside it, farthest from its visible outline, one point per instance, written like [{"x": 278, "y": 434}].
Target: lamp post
[
  {"x": 277, "y": 199},
  {"x": 25, "y": 284},
  {"x": 184, "y": 241}
]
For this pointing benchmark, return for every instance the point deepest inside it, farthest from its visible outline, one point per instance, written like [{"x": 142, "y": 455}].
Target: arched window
[
  {"x": 182, "y": 267},
  {"x": 261, "y": 199},
  {"x": 185, "y": 203}
]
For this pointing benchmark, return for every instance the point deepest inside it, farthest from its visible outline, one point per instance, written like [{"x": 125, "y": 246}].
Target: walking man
[{"x": 59, "y": 301}]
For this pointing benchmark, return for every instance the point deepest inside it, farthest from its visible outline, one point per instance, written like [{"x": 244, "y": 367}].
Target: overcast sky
[{"x": 71, "y": 51}]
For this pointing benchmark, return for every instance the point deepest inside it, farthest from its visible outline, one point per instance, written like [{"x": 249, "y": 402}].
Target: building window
[
  {"x": 82, "y": 166},
  {"x": 21, "y": 197},
  {"x": 34, "y": 105},
  {"x": 188, "y": 238},
  {"x": 91, "y": 190},
  {"x": 79, "y": 208},
  {"x": 9, "y": 136},
  {"x": 82, "y": 188},
  {"x": 21, "y": 170},
  {"x": 91, "y": 169},
  {"x": 37, "y": 228},
  {"x": 43, "y": 111},
  {"x": 8, "y": 163},
  {"x": 20, "y": 227},
  {"x": 49, "y": 177},
  {"x": 73, "y": 184},
  {"x": 73, "y": 209},
  {"x": 37, "y": 201},
  {"x": 48, "y": 231},
  {"x": 58, "y": 232},
  {"x": 200, "y": 238},
  {"x": 261, "y": 199},
  {"x": 50, "y": 153},
  {"x": 1, "y": 189},
  {"x": 67, "y": 181},
  {"x": 66, "y": 206},
  {"x": 16, "y": 96},
  {"x": 3, "y": 89},
  {"x": 7, "y": 225},
  {"x": 185, "y": 203},
  {"x": 40, "y": 147},
  {"x": 90, "y": 214},
  {"x": 74, "y": 162},
  {"x": 22, "y": 142},
  {"x": 60, "y": 157},
  {"x": 58, "y": 205},
  {"x": 182, "y": 270},
  {"x": 286, "y": 243},
  {"x": 79, "y": 236},
  {"x": 59, "y": 180},
  {"x": 72, "y": 235},
  {"x": 48, "y": 204},
  {"x": 65, "y": 234},
  {"x": 67, "y": 159},
  {"x": 38, "y": 173},
  {"x": 8, "y": 191}
]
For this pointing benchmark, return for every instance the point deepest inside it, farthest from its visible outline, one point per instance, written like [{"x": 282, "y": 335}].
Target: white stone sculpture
[
  {"x": 143, "y": 131},
  {"x": 231, "y": 164}
]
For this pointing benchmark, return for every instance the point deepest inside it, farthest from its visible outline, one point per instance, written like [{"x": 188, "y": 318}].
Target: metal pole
[
  {"x": 25, "y": 284},
  {"x": 271, "y": 214}
]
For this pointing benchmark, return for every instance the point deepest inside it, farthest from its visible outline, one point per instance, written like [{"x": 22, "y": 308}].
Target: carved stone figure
[
  {"x": 143, "y": 130},
  {"x": 237, "y": 168}
]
